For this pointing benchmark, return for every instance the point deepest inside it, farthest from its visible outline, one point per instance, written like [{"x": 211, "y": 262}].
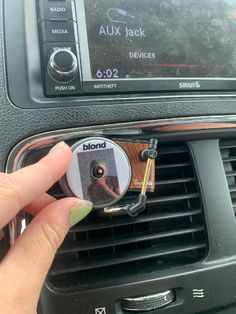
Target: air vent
[
  {"x": 228, "y": 153},
  {"x": 170, "y": 232}
]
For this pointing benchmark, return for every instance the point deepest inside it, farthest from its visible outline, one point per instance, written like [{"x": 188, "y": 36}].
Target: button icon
[
  {"x": 101, "y": 310},
  {"x": 198, "y": 293}
]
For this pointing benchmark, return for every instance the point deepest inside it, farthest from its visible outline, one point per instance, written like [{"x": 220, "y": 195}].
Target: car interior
[{"x": 144, "y": 93}]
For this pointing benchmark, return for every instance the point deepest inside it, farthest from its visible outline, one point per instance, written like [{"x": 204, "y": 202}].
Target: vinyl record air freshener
[{"x": 100, "y": 171}]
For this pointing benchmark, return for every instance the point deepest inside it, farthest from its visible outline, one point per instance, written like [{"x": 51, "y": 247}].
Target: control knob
[
  {"x": 63, "y": 65},
  {"x": 149, "y": 302}
]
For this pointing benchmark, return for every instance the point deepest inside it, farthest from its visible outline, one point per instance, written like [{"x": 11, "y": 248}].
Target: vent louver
[
  {"x": 170, "y": 232},
  {"x": 228, "y": 153}
]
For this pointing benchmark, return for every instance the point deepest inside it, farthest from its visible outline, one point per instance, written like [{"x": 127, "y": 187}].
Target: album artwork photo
[{"x": 104, "y": 188}]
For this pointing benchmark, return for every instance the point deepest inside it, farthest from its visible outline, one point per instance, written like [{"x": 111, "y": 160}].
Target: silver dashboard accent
[
  {"x": 148, "y": 303},
  {"x": 161, "y": 126},
  {"x": 114, "y": 210}
]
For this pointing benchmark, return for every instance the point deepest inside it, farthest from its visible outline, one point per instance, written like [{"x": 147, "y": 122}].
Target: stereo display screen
[{"x": 132, "y": 39}]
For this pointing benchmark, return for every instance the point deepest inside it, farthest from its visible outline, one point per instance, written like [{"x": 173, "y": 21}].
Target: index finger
[{"x": 20, "y": 188}]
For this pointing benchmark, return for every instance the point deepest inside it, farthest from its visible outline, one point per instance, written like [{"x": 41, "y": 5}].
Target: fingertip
[
  {"x": 60, "y": 148},
  {"x": 79, "y": 211},
  {"x": 67, "y": 211},
  {"x": 57, "y": 147},
  {"x": 58, "y": 159}
]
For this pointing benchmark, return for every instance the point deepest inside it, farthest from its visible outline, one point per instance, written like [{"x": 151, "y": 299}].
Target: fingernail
[
  {"x": 57, "y": 147},
  {"x": 79, "y": 212}
]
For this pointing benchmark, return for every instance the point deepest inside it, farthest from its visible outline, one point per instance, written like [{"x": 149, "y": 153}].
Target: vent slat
[
  {"x": 230, "y": 173},
  {"x": 61, "y": 268},
  {"x": 137, "y": 220},
  {"x": 229, "y": 159},
  {"x": 163, "y": 199},
  {"x": 174, "y": 198},
  {"x": 151, "y": 200},
  {"x": 125, "y": 239},
  {"x": 227, "y": 144},
  {"x": 232, "y": 189},
  {"x": 175, "y": 181},
  {"x": 174, "y": 165},
  {"x": 172, "y": 150}
]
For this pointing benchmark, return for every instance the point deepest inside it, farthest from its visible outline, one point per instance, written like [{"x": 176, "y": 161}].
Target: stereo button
[
  {"x": 59, "y": 32},
  {"x": 57, "y": 10},
  {"x": 63, "y": 65}
]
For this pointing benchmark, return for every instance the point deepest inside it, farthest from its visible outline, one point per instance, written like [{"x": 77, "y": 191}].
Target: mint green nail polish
[{"x": 79, "y": 212}]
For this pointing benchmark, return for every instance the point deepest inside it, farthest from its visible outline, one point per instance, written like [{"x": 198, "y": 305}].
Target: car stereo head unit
[{"x": 115, "y": 46}]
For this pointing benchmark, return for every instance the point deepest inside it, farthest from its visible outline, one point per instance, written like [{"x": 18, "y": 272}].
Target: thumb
[{"x": 28, "y": 261}]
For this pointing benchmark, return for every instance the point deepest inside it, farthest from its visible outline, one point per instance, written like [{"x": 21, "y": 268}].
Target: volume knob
[{"x": 63, "y": 65}]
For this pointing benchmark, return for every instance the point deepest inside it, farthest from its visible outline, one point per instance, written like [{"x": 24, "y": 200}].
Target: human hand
[
  {"x": 24, "y": 269},
  {"x": 107, "y": 189}
]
